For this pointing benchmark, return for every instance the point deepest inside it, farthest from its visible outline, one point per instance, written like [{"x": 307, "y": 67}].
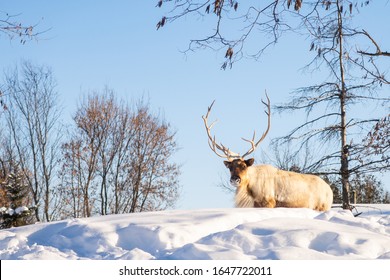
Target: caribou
[{"x": 265, "y": 185}]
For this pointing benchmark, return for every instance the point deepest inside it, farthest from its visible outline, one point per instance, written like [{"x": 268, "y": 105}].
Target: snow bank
[{"x": 245, "y": 234}]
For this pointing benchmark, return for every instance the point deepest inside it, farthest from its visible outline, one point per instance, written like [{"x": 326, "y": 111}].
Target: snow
[
  {"x": 218, "y": 234},
  {"x": 11, "y": 212},
  {"x": 21, "y": 209}
]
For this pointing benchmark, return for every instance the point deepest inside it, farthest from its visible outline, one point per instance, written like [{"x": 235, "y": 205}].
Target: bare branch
[
  {"x": 265, "y": 19},
  {"x": 14, "y": 29},
  {"x": 378, "y": 52}
]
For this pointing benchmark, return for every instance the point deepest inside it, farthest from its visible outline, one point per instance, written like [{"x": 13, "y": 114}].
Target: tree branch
[{"x": 378, "y": 52}]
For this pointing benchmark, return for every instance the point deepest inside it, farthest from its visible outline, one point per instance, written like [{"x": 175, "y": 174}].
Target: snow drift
[{"x": 245, "y": 234}]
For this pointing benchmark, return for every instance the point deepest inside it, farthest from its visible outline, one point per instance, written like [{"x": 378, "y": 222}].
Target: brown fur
[{"x": 267, "y": 186}]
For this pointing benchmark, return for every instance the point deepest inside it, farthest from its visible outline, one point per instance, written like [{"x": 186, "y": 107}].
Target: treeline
[{"x": 112, "y": 158}]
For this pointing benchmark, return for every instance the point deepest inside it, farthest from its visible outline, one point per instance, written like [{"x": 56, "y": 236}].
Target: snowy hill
[{"x": 208, "y": 234}]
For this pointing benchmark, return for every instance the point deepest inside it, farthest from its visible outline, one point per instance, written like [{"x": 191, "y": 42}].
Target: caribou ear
[
  {"x": 227, "y": 163},
  {"x": 249, "y": 162}
]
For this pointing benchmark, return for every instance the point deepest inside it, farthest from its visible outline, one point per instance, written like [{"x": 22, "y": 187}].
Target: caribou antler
[
  {"x": 227, "y": 153},
  {"x": 212, "y": 143},
  {"x": 253, "y": 144}
]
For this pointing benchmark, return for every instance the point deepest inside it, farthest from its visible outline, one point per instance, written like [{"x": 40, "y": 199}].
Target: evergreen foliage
[{"x": 16, "y": 193}]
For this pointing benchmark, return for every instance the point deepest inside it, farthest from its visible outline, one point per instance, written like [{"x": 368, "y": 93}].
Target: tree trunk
[{"x": 344, "y": 170}]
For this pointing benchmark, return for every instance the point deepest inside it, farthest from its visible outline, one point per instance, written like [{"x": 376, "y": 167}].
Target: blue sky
[{"x": 91, "y": 44}]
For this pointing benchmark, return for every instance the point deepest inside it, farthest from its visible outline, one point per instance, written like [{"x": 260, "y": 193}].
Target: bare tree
[
  {"x": 32, "y": 119},
  {"x": 118, "y": 160},
  {"x": 98, "y": 121},
  {"x": 94, "y": 154},
  {"x": 353, "y": 79},
  {"x": 71, "y": 174},
  {"x": 154, "y": 179},
  {"x": 84, "y": 149}
]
